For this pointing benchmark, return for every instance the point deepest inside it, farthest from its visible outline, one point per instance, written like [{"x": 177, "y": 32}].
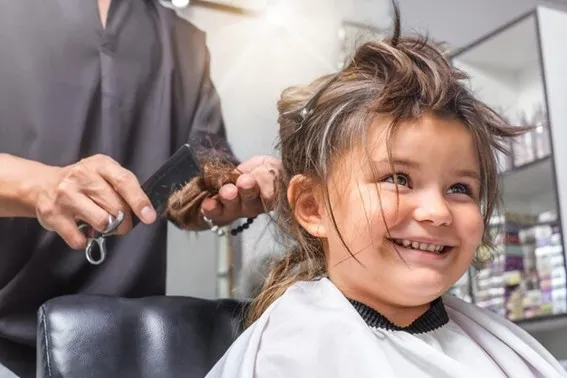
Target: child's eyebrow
[
  {"x": 397, "y": 161},
  {"x": 468, "y": 173},
  {"x": 403, "y": 162}
]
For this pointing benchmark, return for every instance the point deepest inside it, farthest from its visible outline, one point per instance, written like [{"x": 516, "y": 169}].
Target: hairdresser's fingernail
[
  {"x": 148, "y": 214},
  {"x": 207, "y": 205}
]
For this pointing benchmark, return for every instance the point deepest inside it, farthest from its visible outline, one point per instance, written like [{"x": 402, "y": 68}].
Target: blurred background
[{"x": 514, "y": 52}]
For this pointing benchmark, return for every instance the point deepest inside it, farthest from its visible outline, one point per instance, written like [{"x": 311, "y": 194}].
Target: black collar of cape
[{"x": 436, "y": 317}]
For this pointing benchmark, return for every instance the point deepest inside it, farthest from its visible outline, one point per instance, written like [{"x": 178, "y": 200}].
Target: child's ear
[{"x": 307, "y": 204}]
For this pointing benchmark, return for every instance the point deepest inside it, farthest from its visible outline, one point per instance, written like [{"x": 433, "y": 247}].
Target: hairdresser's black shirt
[{"x": 69, "y": 88}]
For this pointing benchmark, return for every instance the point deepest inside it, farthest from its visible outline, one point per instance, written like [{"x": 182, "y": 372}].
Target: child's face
[{"x": 438, "y": 179}]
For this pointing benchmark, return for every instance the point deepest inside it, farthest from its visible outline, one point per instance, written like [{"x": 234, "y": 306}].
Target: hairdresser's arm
[
  {"x": 88, "y": 190},
  {"x": 18, "y": 177}
]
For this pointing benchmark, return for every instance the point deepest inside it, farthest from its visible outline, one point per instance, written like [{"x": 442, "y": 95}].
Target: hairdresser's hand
[
  {"x": 253, "y": 193},
  {"x": 89, "y": 191}
]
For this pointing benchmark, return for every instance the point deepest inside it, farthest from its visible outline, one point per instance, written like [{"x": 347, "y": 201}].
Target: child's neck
[{"x": 401, "y": 316}]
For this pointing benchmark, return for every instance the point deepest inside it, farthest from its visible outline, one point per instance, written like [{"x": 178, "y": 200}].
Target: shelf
[
  {"x": 552, "y": 223},
  {"x": 543, "y": 323},
  {"x": 525, "y": 166},
  {"x": 529, "y": 180},
  {"x": 529, "y": 187}
]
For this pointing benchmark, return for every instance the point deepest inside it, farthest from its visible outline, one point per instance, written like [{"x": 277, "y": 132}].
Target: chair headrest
[{"x": 100, "y": 336}]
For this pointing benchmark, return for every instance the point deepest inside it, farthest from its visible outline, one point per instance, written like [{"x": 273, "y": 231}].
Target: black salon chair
[{"x": 81, "y": 336}]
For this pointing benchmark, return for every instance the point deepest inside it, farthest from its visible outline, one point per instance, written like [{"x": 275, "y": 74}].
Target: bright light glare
[{"x": 180, "y": 3}]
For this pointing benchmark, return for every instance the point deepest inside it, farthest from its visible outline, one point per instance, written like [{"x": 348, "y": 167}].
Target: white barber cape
[{"x": 314, "y": 331}]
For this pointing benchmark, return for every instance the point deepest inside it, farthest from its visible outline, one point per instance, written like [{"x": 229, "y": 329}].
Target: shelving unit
[{"x": 511, "y": 70}]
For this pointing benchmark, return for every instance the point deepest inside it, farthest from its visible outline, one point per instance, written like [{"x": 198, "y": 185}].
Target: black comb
[{"x": 177, "y": 171}]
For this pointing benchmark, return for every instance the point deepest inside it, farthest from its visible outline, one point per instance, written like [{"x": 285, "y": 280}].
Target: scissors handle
[
  {"x": 95, "y": 239},
  {"x": 113, "y": 223},
  {"x": 99, "y": 242}
]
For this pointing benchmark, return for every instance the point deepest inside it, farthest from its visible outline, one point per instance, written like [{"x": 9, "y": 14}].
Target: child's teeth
[{"x": 421, "y": 246}]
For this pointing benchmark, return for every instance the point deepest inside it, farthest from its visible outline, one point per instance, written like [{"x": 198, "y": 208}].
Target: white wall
[{"x": 191, "y": 263}]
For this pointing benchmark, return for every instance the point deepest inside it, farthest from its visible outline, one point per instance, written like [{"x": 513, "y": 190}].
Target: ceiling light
[{"x": 180, "y": 3}]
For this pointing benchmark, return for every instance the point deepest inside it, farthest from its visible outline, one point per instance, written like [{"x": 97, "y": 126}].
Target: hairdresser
[{"x": 95, "y": 96}]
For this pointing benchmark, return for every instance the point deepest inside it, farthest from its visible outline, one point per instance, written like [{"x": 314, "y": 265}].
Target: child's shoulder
[
  {"x": 311, "y": 319},
  {"x": 304, "y": 302},
  {"x": 458, "y": 307},
  {"x": 470, "y": 316},
  {"x": 460, "y": 310},
  {"x": 309, "y": 308}
]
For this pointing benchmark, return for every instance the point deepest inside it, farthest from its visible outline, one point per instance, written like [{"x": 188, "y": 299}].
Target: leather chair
[{"x": 97, "y": 336}]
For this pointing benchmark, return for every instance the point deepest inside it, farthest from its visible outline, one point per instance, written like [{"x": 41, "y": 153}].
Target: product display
[
  {"x": 461, "y": 289},
  {"x": 542, "y": 141},
  {"x": 532, "y": 145},
  {"x": 526, "y": 275}
]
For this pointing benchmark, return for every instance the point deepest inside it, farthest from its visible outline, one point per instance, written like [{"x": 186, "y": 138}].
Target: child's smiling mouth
[{"x": 435, "y": 247}]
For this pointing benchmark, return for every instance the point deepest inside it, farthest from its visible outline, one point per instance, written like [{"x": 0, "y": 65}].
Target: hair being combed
[
  {"x": 184, "y": 205},
  {"x": 402, "y": 78}
]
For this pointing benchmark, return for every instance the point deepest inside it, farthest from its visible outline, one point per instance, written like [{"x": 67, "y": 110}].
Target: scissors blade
[{"x": 178, "y": 170}]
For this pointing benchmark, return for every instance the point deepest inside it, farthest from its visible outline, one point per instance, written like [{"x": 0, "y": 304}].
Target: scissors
[
  {"x": 179, "y": 169},
  {"x": 98, "y": 239}
]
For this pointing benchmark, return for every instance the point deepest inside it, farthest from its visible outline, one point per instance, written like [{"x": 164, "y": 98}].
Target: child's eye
[
  {"x": 461, "y": 189},
  {"x": 398, "y": 179}
]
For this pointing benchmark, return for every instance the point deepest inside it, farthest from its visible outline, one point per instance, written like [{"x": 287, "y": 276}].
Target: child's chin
[{"x": 426, "y": 285}]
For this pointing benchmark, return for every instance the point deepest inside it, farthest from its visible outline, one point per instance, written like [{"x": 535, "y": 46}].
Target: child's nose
[{"x": 432, "y": 208}]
